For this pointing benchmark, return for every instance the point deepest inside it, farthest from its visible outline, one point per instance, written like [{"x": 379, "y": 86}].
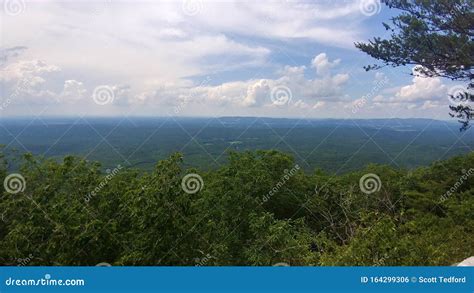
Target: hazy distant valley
[{"x": 333, "y": 145}]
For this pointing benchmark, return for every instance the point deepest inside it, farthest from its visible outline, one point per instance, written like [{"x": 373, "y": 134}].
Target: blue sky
[{"x": 204, "y": 58}]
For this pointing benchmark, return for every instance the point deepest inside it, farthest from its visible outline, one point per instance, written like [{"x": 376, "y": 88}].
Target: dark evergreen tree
[{"x": 438, "y": 35}]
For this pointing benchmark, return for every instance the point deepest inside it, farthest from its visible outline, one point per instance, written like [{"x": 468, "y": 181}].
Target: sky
[{"x": 280, "y": 58}]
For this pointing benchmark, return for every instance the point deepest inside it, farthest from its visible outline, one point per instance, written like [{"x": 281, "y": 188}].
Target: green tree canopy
[
  {"x": 438, "y": 36},
  {"x": 258, "y": 209}
]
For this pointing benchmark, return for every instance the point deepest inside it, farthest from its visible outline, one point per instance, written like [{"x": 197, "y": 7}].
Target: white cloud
[
  {"x": 291, "y": 20},
  {"x": 256, "y": 93},
  {"x": 378, "y": 98},
  {"x": 25, "y": 81},
  {"x": 301, "y": 104},
  {"x": 430, "y": 105},
  {"x": 421, "y": 89},
  {"x": 322, "y": 64},
  {"x": 423, "y": 93},
  {"x": 172, "y": 45},
  {"x": 319, "y": 105},
  {"x": 73, "y": 91},
  {"x": 246, "y": 94},
  {"x": 153, "y": 54},
  {"x": 30, "y": 70}
]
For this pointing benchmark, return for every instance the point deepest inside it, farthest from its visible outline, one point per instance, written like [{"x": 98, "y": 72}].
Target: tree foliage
[
  {"x": 73, "y": 213},
  {"x": 437, "y": 36}
]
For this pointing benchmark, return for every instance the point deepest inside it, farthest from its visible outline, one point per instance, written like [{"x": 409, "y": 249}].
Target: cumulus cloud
[
  {"x": 73, "y": 91},
  {"x": 220, "y": 36},
  {"x": 33, "y": 82},
  {"x": 322, "y": 64},
  {"x": 306, "y": 92},
  {"x": 121, "y": 94},
  {"x": 154, "y": 54},
  {"x": 31, "y": 70},
  {"x": 423, "y": 93},
  {"x": 24, "y": 81},
  {"x": 254, "y": 93},
  {"x": 421, "y": 89}
]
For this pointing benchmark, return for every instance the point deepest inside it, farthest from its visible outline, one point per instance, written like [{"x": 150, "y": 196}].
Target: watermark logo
[
  {"x": 110, "y": 174},
  {"x": 14, "y": 183},
  {"x": 455, "y": 187},
  {"x": 5, "y": 104},
  {"x": 283, "y": 180},
  {"x": 103, "y": 95},
  {"x": 370, "y": 7},
  {"x": 192, "y": 183},
  {"x": 100, "y": 7},
  {"x": 184, "y": 102},
  {"x": 370, "y": 183},
  {"x": 202, "y": 261},
  {"x": 191, "y": 7},
  {"x": 14, "y": 7},
  {"x": 281, "y": 95},
  {"x": 24, "y": 261},
  {"x": 21, "y": 87},
  {"x": 457, "y": 95},
  {"x": 360, "y": 103}
]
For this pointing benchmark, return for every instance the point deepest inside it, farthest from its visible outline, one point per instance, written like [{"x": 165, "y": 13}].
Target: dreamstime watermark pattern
[
  {"x": 101, "y": 7},
  {"x": 177, "y": 109},
  {"x": 370, "y": 183},
  {"x": 360, "y": 103},
  {"x": 191, "y": 7},
  {"x": 288, "y": 174},
  {"x": 456, "y": 185},
  {"x": 370, "y": 7},
  {"x": 5, "y": 104},
  {"x": 380, "y": 261},
  {"x": 45, "y": 281},
  {"x": 2, "y": 217},
  {"x": 111, "y": 174},
  {"x": 281, "y": 95},
  {"x": 14, "y": 183},
  {"x": 24, "y": 261},
  {"x": 103, "y": 95},
  {"x": 192, "y": 183},
  {"x": 455, "y": 92},
  {"x": 202, "y": 261},
  {"x": 22, "y": 86},
  {"x": 318, "y": 191},
  {"x": 14, "y": 7}
]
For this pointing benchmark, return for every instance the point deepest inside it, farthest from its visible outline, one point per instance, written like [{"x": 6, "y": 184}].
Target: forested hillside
[
  {"x": 334, "y": 145},
  {"x": 260, "y": 208}
]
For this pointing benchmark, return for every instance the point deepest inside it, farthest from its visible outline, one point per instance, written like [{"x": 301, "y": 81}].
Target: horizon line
[{"x": 213, "y": 117}]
